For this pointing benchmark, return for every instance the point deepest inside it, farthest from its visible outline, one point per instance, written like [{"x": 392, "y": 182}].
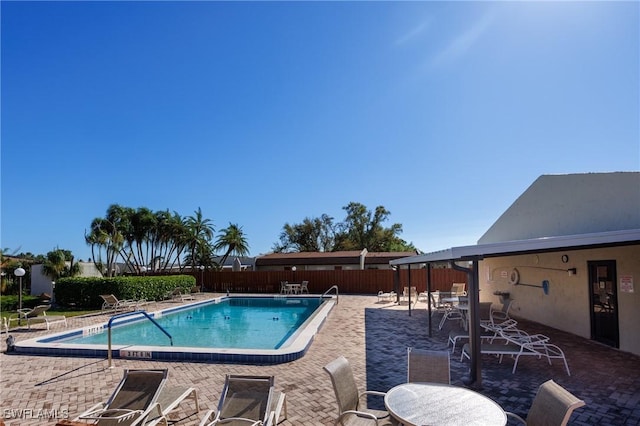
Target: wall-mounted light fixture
[{"x": 571, "y": 271}]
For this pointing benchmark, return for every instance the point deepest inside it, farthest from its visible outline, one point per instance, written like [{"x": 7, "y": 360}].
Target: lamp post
[
  {"x": 19, "y": 272},
  {"x": 53, "y": 293},
  {"x": 201, "y": 267}
]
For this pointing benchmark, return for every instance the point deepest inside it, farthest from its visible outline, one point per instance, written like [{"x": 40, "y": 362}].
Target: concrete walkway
[{"x": 372, "y": 335}]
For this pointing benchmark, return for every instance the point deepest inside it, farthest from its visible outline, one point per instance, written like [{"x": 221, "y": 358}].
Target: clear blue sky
[{"x": 266, "y": 113}]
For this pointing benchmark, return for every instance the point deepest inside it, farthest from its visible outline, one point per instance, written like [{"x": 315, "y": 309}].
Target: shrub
[
  {"x": 84, "y": 292},
  {"x": 10, "y": 303}
]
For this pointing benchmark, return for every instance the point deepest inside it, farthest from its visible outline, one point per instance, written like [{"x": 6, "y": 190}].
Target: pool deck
[{"x": 372, "y": 335}]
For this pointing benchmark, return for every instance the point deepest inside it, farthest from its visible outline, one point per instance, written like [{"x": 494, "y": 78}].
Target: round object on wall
[
  {"x": 514, "y": 277},
  {"x": 565, "y": 258}
]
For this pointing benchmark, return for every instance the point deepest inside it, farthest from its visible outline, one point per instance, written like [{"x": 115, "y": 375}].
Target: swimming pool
[{"x": 261, "y": 330}]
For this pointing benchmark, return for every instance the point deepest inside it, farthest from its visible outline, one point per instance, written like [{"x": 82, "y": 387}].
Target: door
[{"x": 603, "y": 296}]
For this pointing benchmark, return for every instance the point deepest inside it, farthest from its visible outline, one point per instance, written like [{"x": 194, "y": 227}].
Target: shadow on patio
[{"x": 606, "y": 379}]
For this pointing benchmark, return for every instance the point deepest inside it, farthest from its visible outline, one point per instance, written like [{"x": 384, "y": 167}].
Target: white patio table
[{"x": 417, "y": 404}]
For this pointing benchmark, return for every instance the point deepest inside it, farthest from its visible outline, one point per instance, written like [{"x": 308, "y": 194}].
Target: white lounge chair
[
  {"x": 178, "y": 295},
  {"x": 141, "y": 398},
  {"x": 517, "y": 343},
  {"x": 112, "y": 303},
  {"x": 249, "y": 400},
  {"x": 32, "y": 316}
]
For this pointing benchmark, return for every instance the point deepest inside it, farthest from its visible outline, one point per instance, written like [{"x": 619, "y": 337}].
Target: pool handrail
[
  {"x": 337, "y": 296},
  {"x": 126, "y": 314}
]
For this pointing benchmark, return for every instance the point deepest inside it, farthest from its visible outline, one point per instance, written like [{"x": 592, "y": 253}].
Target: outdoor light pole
[
  {"x": 53, "y": 292},
  {"x": 201, "y": 267},
  {"x": 19, "y": 272}
]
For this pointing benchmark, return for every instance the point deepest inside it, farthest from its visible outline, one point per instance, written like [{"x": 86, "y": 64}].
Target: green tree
[
  {"x": 200, "y": 232},
  {"x": 233, "y": 241},
  {"x": 60, "y": 263},
  {"x": 362, "y": 228},
  {"x": 313, "y": 234}
]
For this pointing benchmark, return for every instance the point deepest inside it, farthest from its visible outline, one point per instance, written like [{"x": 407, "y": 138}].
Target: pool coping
[{"x": 294, "y": 348}]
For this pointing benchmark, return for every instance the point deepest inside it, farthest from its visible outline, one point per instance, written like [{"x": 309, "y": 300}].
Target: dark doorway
[{"x": 603, "y": 295}]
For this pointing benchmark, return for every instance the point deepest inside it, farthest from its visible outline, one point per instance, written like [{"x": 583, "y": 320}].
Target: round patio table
[{"x": 417, "y": 404}]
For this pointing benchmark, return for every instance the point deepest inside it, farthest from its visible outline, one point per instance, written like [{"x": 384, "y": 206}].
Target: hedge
[{"x": 84, "y": 292}]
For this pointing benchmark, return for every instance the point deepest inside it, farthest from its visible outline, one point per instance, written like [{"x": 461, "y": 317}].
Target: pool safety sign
[
  {"x": 125, "y": 353},
  {"x": 626, "y": 283}
]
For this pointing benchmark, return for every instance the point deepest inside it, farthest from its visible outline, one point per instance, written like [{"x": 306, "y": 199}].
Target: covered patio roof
[
  {"x": 475, "y": 253},
  {"x": 535, "y": 245}
]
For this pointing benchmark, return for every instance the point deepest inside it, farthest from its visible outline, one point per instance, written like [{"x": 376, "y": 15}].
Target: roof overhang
[{"x": 535, "y": 245}]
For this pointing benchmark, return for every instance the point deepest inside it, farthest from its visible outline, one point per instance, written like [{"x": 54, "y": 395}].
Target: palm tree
[
  {"x": 233, "y": 240},
  {"x": 55, "y": 265},
  {"x": 200, "y": 234}
]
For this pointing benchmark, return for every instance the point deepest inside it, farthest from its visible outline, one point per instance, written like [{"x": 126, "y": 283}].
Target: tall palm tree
[
  {"x": 233, "y": 240},
  {"x": 55, "y": 265},
  {"x": 200, "y": 234}
]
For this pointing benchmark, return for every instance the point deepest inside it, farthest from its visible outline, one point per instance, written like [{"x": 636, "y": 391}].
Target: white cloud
[
  {"x": 465, "y": 41},
  {"x": 415, "y": 32}
]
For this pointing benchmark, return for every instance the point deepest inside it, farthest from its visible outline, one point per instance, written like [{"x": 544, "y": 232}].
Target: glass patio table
[{"x": 417, "y": 404}]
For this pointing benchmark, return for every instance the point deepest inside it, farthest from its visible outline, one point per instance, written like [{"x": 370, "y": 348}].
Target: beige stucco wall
[{"x": 566, "y": 307}]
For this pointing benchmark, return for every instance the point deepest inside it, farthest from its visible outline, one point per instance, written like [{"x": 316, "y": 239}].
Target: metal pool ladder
[
  {"x": 127, "y": 314},
  {"x": 332, "y": 288}
]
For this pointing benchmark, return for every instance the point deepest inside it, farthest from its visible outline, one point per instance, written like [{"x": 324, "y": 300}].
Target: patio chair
[
  {"x": 410, "y": 294},
  {"x": 132, "y": 403},
  {"x": 32, "y": 316},
  {"x": 451, "y": 312},
  {"x": 304, "y": 287},
  {"x": 458, "y": 289},
  {"x": 350, "y": 409},
  {"x": 112, "y": 303},
  {"x": 428, "y": 366},
  {"x": 247, "y": 400},
  {"x": 502, "y": 313},
  {"x": 552, "y": 406},
  {"x": 283, "y": 287}
]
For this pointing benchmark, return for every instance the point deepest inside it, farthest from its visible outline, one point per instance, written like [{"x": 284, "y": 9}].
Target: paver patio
[{"x": 372, "y": 335}]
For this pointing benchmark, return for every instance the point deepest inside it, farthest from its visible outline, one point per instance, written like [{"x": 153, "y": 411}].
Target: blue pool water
[
  {"x": 248, "y": 323},
  {"x": 233, "y": 329}
]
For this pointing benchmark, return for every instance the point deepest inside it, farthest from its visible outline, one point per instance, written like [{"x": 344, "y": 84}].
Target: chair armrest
[
  {"x": 355, "y": 413},
  {"x": 515, "y": 416},
  {"x": 111, "y": 414},
  {"x": 233, "y": 420},
  {"x": 209, "y": 417},
  {"x": 370, "y": 392}
]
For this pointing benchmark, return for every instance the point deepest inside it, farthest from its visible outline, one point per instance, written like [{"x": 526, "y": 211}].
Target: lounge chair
[
  {"x": 350, "y": 411},
  {"x": 247, "y": 400},
  {"x": 552, "y": 405},
  {"x": 177, "y": 294},
  {"x": 112, "y": 303},
  {"x": 428, "y": 366},
  {"x": 134, "y": 402},
  {"x": 32, "y": 316},
  {"x": 485, "y": 318},
  {"x": 517, "y": 343},
  {"x": 386, "y": 296}
]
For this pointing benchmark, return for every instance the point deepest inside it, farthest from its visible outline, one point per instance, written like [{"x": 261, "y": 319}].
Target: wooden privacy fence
[{"x": 368, "y": 281}]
